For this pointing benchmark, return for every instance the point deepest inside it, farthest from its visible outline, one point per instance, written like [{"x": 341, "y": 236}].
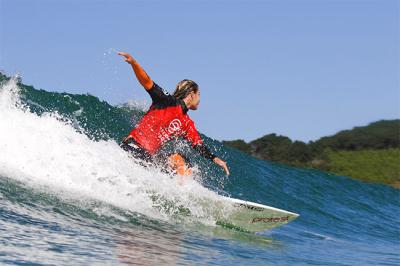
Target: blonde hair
[{"x": 184, "y": 88}]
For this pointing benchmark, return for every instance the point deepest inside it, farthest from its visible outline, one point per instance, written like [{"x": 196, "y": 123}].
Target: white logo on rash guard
[
  {"x": 165, "y": 92},
  {"x": 174, "y": 126}
]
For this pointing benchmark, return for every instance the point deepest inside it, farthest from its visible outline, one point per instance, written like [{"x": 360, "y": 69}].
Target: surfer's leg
[{"x": 177, "y": 164}]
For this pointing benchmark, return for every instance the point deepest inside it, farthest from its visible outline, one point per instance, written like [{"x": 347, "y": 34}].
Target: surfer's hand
[
  {"x": 128, "y": 58},
  {"x": 222, "y": 164}
]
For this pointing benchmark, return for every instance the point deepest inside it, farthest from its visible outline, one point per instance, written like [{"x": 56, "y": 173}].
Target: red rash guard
[{"x": 166, "y": 118}]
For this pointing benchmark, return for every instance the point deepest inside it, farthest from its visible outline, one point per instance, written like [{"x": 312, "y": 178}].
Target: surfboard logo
[
  {"x": 270, "y": 219},
  {"x": 254, "y": 208}
]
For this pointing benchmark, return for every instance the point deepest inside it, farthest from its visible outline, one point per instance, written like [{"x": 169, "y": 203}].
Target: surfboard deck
[
  {"x": 231, "y": 213},
  {"x": 253, "y": 217}
]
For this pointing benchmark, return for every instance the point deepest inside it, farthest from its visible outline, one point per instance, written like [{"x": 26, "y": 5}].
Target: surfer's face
[{"x": 194, "y": 100}]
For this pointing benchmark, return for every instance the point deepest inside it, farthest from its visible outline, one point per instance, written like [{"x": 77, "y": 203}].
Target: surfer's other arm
[
  {"x": 205, "y": 152},
  {"x": 141, "y": 75},
  {"x": 193, "y": 136}
]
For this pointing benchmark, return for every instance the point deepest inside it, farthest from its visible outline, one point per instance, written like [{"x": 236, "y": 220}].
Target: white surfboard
[
  {"x": 253, "y": 217},
  {"x": 231, "y": 213}
]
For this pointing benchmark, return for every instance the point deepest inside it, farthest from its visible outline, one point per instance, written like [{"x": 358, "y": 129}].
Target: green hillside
[
  {"x": 369, "y": 153},
  {"x": 382, "y": 166}
]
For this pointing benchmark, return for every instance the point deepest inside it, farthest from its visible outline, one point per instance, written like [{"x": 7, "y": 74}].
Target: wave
[{"x": 60, "y": 160}]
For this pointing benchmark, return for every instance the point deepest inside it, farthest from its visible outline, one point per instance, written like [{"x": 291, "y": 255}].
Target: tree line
[{"x": 383, "y": 134}]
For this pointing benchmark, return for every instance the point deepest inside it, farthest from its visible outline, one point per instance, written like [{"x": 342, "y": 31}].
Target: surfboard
[
  {"x": 231, "y": 213},
  {"x": 253, "y": 217}
]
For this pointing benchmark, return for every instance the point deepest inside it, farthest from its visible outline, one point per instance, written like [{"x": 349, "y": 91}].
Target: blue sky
[{"x": 300, "y": 68}]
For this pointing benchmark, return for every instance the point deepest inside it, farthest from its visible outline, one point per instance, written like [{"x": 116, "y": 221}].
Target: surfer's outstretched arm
[
  {"x": 193, "y": 136},
  {"x": 141, "y": 75}
]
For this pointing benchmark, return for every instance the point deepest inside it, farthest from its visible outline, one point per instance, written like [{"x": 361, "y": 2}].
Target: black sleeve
[
  {"x": 160, "y": 96},
  {"x": 204, "y": 151}
]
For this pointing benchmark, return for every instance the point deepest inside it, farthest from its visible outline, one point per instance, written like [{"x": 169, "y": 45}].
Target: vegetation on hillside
[
  {"x": 370, "y": 153},
  {"x": 381, "y": 166}
]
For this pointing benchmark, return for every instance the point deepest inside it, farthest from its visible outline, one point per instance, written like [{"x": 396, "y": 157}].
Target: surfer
[{"x": 166, "y": 118}]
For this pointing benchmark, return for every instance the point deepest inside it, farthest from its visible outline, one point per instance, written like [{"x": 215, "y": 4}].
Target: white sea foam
[
  {"x": 142, "y": 105},
  {"x": 45, "y": 151}
]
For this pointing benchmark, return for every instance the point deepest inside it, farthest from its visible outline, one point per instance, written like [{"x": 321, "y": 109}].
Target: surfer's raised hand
[
  {"x": 222, "y": 164},
  {"x": 141, "y": 75},
  {"x": 128, "y": 58}
]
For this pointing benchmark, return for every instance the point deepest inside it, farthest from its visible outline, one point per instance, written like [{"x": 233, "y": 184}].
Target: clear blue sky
[{"x": 299, "y": 68}]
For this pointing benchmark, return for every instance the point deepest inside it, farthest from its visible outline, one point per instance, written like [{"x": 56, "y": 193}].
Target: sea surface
[{"x": 70, "y": 196}]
